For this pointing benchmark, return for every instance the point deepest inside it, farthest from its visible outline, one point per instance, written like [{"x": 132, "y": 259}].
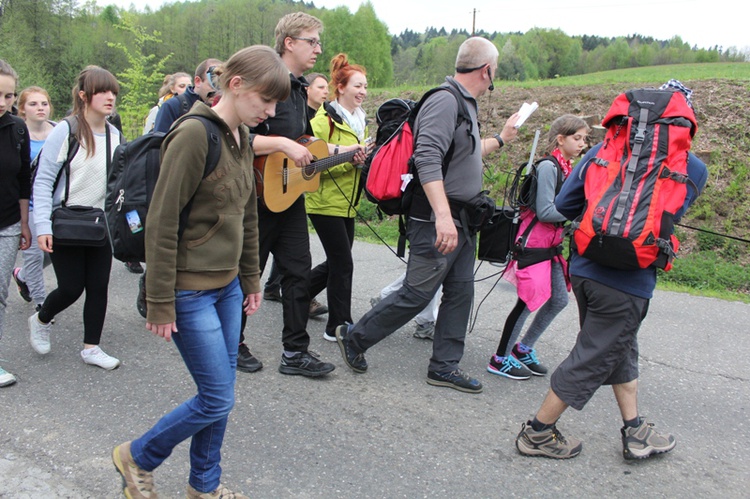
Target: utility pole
[{"x": 474, "y": 22}]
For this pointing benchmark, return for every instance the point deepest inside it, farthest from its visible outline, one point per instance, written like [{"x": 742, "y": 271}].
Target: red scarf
[{"x": 565, "y": 165}]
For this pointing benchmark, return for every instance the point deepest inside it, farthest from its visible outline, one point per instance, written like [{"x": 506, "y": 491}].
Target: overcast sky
[{"x": 697, "y": 22}]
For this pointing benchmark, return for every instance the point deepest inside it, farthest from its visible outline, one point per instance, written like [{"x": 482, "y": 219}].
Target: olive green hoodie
[{"x": 220, "y": 239}]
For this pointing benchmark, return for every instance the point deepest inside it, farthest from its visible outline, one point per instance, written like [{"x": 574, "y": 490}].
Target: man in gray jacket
[{"x": 441, "y": 251}]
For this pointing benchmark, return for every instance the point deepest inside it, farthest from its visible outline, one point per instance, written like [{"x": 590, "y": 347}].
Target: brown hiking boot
[
  {"x": 547, "y": 443},
  {"x": 643, "y": 441},
  {"x": 136, "y": 483},
  {"x": 221, "y": 493}
]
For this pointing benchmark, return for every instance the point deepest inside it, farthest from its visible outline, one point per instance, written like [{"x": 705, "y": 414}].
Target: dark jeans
[
  {"x": 80, "y": 268},
  {"x": 426, "y": 270},
  {"x": 285, "y": 235},
  {"x": 335, "y": 274}
]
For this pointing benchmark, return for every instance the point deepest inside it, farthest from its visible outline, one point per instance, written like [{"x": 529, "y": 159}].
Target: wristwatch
[{"x": 499, "y": 139}]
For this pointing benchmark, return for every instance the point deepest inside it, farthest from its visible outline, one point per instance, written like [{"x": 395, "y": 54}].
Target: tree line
[{"x": 49, "y": 41}]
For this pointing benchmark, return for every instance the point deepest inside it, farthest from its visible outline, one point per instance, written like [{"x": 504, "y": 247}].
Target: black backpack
[
  {"x": 392, "y": 157},
  {"x": 130, "y": 188},
  {"x": 499, "y": 242}
]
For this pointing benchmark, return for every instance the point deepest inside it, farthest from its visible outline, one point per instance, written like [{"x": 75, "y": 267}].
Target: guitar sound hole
[{"x": 308, "y": 172}]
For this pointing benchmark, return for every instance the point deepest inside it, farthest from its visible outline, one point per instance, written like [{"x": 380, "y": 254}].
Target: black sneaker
[
  {"x": 140, "y": 300},
  {"x": 355, "y": 360},
  {"x": 134, "y": 267},
  {"x": 643, "y": 441},
  {"x": 246, "y": 361},
  {"x": 272, "y": 294},
  {"x": 457, "y": 380},
  {"x": 23, "y": 289},
  {"x": 305, "y": 364},
  {"x": 317, "y": 309},
  {"x": 530, "y": 360}
]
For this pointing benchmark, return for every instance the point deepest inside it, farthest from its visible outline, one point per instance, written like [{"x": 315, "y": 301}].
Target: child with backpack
[
  {"x": 539, "y": 270},
  {"x": 198, "y": 283}
]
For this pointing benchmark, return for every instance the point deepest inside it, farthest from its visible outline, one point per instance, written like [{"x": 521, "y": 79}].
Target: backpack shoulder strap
[
  {"x": 73, "y": 146},
  {"x": 184, "y": 104},
  {"x": 213, "y": 135},
  {"x": 560, "y": 178},
  {"x": 19, "y": 133}
]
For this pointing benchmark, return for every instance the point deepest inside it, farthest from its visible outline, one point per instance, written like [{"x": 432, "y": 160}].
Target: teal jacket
[{"x": 340, "y": 186}]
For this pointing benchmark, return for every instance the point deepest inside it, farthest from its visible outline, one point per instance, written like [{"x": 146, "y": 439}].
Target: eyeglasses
[{"x": 312, "y": 41}]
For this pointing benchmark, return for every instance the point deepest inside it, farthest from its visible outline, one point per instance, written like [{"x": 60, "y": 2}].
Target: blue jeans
[{"x": 208, "y": 324}]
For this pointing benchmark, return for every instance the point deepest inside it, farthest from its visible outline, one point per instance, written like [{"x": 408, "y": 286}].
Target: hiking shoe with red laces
[{"x": 547, "y": 443}]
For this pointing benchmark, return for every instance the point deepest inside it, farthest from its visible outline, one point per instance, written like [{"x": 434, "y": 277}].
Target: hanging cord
[{"x": 706, "y": 231}]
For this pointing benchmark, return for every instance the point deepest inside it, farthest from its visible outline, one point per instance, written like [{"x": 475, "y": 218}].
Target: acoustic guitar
[{"x": 279, "y": 181}]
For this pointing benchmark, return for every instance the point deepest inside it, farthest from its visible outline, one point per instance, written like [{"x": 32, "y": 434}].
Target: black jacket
[{"x": 15, "y": 173}]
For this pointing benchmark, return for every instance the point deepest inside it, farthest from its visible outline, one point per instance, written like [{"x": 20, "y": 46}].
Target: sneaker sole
[
  {"x": 33, "y": 347},
  {"x": 448, "y": 384},
  {"x": 250, "y": 370},
  {"x": 506, "y": 375},
  {"x": 340, "y": 341},
  {"x": 304, "y": 372},
  {"x": 644, "y": 453},
  {"x": 534, "y": 452},
  {"x": 332, "y": 339},
  {"x": 20, "y": 286},
  {"x": 103, "y": 367}
]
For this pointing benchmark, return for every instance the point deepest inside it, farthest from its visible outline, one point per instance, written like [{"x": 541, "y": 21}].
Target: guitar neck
[{"x": 323, "y": 164}]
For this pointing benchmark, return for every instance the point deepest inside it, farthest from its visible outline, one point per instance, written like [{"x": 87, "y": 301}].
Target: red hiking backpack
[
  {"x": 390, "y": 178},
  {"x": 637, "y": 181}
]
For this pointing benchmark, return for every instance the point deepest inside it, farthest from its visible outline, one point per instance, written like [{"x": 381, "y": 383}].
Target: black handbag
[{"x": 79, "y": 225}]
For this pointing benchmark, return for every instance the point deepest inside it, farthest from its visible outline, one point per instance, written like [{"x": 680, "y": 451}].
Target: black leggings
[
  {"x": 335, "y": 274},
  {"x": 80, "y": 268},
  {"x": 510, "y": 324}
]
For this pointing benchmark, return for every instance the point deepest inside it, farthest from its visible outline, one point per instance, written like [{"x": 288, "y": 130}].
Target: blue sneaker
[
  {"x": 458, "y": 380},
  {"x": 508, "y": 367},
  {"x": 530, "y": 360}
]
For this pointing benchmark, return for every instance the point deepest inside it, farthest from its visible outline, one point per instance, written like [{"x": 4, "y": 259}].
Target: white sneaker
[
  {"x": 6, "y": 378},
  {"x": 329, "y": 338},
  {"x": 96, "y": 357},
  {"x": 39, "y": 334}
]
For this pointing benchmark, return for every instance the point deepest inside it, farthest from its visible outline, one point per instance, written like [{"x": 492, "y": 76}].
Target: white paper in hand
[{"x": 525, "y": 111}]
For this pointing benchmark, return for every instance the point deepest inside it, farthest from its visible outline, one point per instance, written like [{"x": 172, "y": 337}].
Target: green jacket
[
  {"x": 340, "y": 186},
  {"x": 220, "y": 239}
]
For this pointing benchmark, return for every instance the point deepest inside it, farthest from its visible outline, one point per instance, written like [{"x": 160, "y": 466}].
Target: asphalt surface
[{"x": 386, "y": 433}]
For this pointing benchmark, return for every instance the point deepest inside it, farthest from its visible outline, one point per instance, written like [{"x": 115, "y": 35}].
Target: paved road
[{"x": 385, "y": 433}]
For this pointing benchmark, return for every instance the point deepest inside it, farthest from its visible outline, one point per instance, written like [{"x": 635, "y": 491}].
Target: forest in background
[{"x": 49, "y": 41}]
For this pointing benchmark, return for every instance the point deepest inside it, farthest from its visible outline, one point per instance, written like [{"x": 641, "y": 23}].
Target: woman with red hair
[{"x": 333, "y": 206}]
